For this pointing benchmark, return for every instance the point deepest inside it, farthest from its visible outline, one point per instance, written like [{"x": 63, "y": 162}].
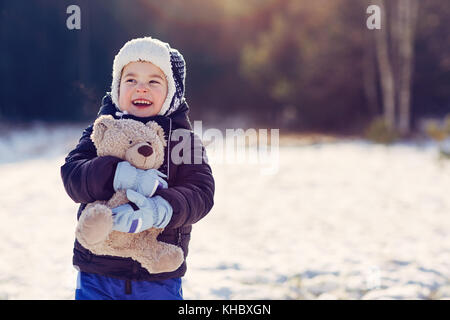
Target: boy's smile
[{"x": 143, "y": 89}]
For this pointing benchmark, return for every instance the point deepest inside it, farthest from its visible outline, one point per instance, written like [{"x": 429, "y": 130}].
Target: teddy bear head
[{"x": 142, "y": 145}]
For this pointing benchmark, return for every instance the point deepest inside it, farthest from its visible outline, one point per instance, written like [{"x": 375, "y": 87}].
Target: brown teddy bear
[{"x": 122, "y": 138}]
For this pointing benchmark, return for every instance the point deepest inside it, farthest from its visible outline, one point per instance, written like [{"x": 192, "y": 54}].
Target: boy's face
[{"x": 143, "y": 89}]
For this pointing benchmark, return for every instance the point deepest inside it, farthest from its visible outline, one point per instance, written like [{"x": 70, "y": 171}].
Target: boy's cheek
[{"x": 124, "y": 100}]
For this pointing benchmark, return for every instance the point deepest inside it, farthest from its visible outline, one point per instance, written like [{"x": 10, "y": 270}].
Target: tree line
[{"x": 299, "y": 65}]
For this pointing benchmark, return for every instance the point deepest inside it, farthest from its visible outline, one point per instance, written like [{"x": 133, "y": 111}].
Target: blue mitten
[
  {"x": 152, "y": 212},
  {"x": 143, "y": 181}
]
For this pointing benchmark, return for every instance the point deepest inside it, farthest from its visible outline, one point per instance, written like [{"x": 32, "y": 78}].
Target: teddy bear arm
[{"x": 119, "y": 198}]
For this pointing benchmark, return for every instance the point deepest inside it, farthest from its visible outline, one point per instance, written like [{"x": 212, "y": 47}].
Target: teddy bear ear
[
  {"x": 159, "y": 131},
  {"x": 100, "y": 126}
]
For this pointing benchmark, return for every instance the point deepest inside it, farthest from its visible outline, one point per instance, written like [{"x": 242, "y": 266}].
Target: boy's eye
[
  {"x": 154, "y": 81},
  {"x": 130, "y": 80}
]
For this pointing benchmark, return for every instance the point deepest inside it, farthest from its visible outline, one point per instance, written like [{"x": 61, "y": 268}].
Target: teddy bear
[{"x": 126, "y": 139}]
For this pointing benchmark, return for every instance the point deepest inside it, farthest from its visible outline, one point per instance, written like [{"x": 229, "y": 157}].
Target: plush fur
[{"x": 122, "y": 138}]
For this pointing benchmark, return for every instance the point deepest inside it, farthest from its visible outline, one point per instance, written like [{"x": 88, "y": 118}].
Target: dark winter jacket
[{"x": 88, "y": 178}]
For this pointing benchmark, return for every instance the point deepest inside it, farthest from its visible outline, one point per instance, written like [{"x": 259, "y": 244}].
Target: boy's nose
[
  {"x": 141, "y": 88},
  {"x": 145, "y": 150}
]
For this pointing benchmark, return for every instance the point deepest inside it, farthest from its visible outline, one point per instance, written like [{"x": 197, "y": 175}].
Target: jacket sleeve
[
  {"x": 192, "y": 193},
  {"x": 87, "y": 177}
]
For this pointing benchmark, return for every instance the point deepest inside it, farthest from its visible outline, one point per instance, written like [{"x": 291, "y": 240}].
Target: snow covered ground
[{"x": 340, "y": 220}]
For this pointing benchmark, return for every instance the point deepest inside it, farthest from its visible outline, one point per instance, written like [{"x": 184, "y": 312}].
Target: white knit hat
[{"x": 169, "y": 60}]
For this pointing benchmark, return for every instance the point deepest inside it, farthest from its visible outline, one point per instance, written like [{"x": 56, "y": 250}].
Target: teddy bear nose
[{"x": 145, "y": 150}]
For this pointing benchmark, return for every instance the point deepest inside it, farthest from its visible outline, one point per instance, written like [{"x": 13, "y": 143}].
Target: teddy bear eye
[
  {"x": 149, "y": 142},
  {"x": 131, "y": 142}
]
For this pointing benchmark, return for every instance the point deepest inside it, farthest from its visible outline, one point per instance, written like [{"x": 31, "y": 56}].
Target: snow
[{"x": 339, "y": 220}]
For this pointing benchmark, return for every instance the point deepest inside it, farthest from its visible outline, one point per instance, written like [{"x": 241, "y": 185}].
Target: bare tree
[
  {"x": 385, "y": 69},
  {"x": 395, "y": 55},
  {"x": 370, "y": 77},
  {"x": 407, "y": 16}
]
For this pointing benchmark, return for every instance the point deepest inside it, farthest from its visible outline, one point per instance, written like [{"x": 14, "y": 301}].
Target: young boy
[{"x": 148, "y": 84}]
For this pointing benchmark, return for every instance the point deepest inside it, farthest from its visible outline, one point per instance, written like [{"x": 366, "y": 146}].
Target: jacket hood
[{"x": 179, "y": 117}]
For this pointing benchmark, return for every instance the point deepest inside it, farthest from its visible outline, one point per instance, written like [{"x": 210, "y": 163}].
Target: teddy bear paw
[{"x": 95, "y": 225}]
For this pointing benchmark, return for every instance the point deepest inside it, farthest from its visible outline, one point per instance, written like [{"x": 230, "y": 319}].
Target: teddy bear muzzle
[{"x": 141, "y": 155}]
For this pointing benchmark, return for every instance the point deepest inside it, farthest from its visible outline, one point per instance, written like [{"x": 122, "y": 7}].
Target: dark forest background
[{"x": 292, "y": 64}]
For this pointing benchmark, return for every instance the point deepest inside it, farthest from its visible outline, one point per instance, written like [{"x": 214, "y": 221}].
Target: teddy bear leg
[
  {"x": 168, "y": 258},
  {"x": 162, "y": 257},
  {"x": 95, "y": 225}
]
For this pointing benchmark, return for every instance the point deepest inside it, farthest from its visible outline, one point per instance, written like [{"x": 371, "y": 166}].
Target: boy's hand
[
  {"x": 153, "y": 212},
  {"x": 143, "y": 181}
]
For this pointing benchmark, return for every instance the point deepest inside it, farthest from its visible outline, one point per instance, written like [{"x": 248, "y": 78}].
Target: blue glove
[
  {"x": 143, "y": 181},
  {"x": 153, "y": 212}
]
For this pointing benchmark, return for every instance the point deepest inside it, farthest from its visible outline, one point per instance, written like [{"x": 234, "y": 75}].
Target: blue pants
[{"x": 96, "y": 287}]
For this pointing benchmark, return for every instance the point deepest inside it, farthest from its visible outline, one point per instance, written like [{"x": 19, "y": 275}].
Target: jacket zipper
[
  {"x": 179, "y": 237},
  {"x": 168, "y": 149},
  {"x": 168, "y": 173}
]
